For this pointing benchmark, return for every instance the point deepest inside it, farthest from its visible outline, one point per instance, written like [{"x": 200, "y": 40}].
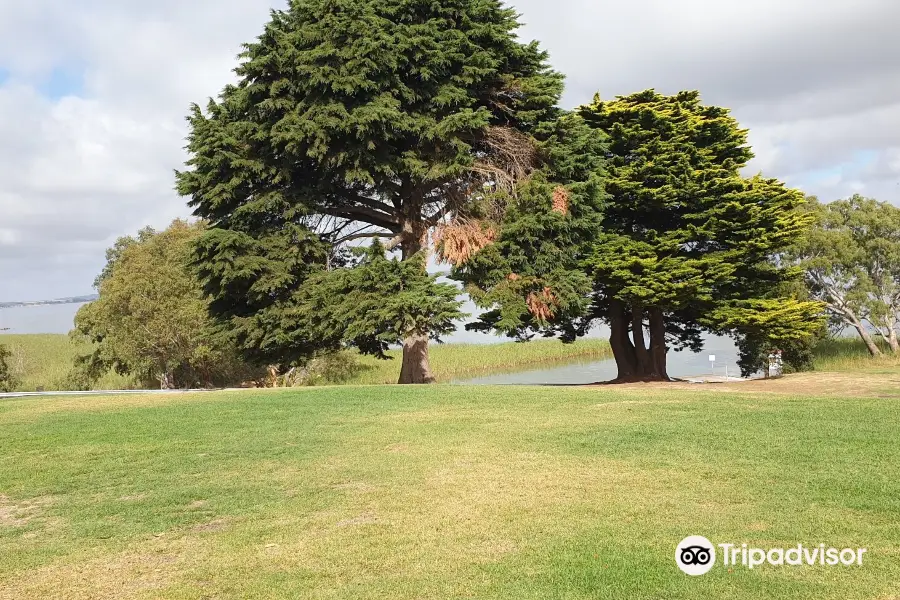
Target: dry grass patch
[
  {"x": 851, "y": 385},
  {"x": 141, "y": 571},
  {"x": 21, "y": 513}
]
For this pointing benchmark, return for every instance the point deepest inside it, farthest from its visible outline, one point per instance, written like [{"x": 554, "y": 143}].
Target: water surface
[
  {"x": 680, "y": 364},
  {"x": 48, "y": 318}
]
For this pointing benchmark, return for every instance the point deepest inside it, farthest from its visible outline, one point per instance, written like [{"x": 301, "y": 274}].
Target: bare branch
[{"x": 363, "y": 235}]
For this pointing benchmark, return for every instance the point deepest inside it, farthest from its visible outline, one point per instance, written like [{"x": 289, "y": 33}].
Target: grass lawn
[{"x": 448, "y": 492}]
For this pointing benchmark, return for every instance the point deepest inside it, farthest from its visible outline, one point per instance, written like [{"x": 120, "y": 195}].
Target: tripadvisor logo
[{"x": 696, "y": 555}]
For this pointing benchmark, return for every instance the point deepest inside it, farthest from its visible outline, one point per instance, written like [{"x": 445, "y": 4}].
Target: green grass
[
  {"x": 456, "y": 361},
  {"x": 850, "y": 354},
  {"x": 443, "y": 492},
  {"x": 45, "y": 360}
]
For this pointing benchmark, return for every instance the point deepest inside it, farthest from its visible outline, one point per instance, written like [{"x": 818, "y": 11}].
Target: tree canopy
[
  {"x": 355, "y": 119},
  {"x": 529, "y": 275},
  {"x": 151, "y": 320},
  {"x": 682, "y": 243},
  {"x": 852, "y": 264}
]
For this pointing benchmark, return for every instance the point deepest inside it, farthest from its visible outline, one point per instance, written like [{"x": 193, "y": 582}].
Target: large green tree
[
  {"x": 682, "y": 244},
  {"x": 353, "y": 119},
  {"x": 851, "y": 259},
  {"x": 688, "y": 244}
]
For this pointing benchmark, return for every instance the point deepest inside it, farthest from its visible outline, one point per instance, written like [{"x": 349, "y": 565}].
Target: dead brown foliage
[
  {"x": 457, "y": 242},
  {"x": 561, "y": 200},
  {"x": 510, "y": 158},
  {"x": 542, "y": 304}
]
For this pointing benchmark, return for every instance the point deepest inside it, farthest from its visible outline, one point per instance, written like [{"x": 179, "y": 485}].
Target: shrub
[{"x": 8, "y": 381}]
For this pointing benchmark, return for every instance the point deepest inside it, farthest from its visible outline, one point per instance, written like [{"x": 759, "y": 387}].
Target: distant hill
[{"x": 70, "y": 300}]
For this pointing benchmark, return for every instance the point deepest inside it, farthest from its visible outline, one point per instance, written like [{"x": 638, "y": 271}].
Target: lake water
[
  {"x": 679, "y": 364},
  {"x": 49, "y": 318}
]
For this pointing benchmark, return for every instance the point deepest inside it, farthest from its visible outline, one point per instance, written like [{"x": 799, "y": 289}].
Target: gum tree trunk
[
  {"x": 166, "y": 381},
  {"x": 874, "y": 350}
]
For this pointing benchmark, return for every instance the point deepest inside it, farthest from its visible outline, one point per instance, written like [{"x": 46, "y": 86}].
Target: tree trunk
[
  {"x": 866, "y": 338},
  {"x": 658, "y": 349},
  {"x": 415, "y": 368},
  {"x": 166, "y": 381},
  {"x": 644, "y": 362},
  {"x": 634, "y": 360},
  {"x": 890, "y": 322},
  {"x": 622, "y": 348}
]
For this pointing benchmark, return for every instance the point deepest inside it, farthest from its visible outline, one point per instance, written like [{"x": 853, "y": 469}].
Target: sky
[{"x": 93, "y": 96}]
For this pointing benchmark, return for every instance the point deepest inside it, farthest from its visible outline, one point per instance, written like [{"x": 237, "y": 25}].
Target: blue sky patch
[
  {"x": 847, "y": 169},
  {"x": 62, "y": 81}
]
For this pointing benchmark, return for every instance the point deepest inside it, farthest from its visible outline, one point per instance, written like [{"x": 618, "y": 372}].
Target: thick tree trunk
[
  {"x": 644, "y": 360},
  {"x": 634, "y": 360},
  {"x": 622, "y": 348},
  {"x": 416, "y": 367},
  {"x": 658, "y": 349}
]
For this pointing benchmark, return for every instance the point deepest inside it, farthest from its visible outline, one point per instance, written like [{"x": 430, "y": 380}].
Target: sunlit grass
[
  {"x": 442, "y": 492},
  {"x": 849, "y": 354},
  {"x": 456, "y": 361},
  {"x": 45, "y": 361}
]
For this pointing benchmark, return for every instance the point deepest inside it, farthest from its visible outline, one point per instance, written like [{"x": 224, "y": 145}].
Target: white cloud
[{"x": 817, "y": 82}]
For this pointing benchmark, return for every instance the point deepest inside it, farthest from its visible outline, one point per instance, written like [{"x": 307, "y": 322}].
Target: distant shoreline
[{"x": 72, "y": 300}]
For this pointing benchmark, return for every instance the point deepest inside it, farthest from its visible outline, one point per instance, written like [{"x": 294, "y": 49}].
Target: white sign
[{"x": 712, "y": 358}]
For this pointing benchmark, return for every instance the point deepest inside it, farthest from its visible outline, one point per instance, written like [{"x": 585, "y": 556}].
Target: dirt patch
[{"x": 143, "y": 570}]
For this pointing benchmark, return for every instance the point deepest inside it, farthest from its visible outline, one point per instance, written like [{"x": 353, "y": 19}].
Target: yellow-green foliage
[
  {"x": 458, "y": 361},
  {"x": 45, "y": 360}
]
